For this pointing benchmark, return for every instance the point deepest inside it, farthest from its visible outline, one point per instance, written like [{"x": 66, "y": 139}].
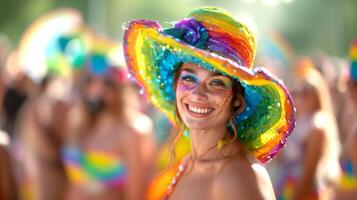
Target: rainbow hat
[
  {"x": 353, "y": 57},
  {"x": 40, "y": 46},
  {"x": 213, "y": 39},
  {"x": 103, "y": 55}
]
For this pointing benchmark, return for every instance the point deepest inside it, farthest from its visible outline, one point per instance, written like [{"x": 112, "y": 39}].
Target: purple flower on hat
[
  {"x": 193, "y": 33},
  {"x": 190, "y": 31}
]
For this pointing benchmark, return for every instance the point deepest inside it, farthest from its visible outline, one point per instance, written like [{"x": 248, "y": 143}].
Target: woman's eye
[
  {"x": 189, "y": 79},
  {"x": 218, "y": 83}
]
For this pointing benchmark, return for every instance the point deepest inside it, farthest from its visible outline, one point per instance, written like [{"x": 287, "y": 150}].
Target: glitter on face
[{"x": 189, "y": 81}]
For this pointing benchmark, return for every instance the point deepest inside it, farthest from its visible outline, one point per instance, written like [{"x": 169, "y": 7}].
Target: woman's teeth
[{"x": 199, "y": 110}]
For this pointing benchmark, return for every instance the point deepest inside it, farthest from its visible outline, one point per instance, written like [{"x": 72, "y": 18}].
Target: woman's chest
[{"x": 196, "y": 186}]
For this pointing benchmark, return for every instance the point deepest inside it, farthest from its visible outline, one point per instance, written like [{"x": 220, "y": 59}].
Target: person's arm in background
[
  {"x": 314, "y": 147},
  {"x": 135, "y": 185},
  {"x": 349, "y": 194},
  {"x": 7, "y": 181},
  {"x": 144, "y": 126},
  {"x": 352, "y": 153},
  {"x": 2, "y": 95}
]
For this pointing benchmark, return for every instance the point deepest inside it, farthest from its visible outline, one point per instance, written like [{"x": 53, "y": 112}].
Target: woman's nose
[{"x": 200, "y": 92}]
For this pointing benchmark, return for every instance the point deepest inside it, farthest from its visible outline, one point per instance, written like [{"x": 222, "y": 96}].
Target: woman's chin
[
  {"x": 202, "y": 125},
  {"x": 198, "y": 122},
  {"x": 197, "y": 125}
]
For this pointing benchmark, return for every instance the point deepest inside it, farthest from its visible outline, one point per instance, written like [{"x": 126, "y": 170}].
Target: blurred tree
[
  {"x": 326, "y": 25},
  {"x": 16, "y": 15}
]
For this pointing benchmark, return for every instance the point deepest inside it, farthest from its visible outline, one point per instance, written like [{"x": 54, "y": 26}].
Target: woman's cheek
[
  {"x": 181, "y": 87},
  {"x": 222, "y": 98},
  {"x": 223, "y": 94}
]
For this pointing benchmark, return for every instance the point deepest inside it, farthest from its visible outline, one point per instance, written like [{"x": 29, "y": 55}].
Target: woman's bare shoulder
[{"x": 243, "y": 179}]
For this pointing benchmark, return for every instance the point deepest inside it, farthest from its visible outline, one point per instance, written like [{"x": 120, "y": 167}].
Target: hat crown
[{"x": 216, "y": 30}]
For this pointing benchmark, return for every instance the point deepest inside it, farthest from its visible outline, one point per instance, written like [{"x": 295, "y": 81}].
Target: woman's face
[
  {"x": 93, "y": 95},
  {"x": 305, "y": 99},
  {"x": 204, "y": 98}
]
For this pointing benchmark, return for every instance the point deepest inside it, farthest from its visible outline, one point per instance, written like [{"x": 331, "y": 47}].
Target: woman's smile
[{"x": 198, "y": 110}]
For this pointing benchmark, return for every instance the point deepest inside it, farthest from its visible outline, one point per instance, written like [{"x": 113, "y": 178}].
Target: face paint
[
  {"x": 219, "y": 83},
  {"x": 189, "y": 81}
]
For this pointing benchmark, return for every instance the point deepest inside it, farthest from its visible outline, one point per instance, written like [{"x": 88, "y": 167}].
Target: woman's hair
[
  {"x": 314, "y": 82},
  {"x": 238, "y": 93},
  {"x": 180, "y": 127},
  {"x": 324, "y": 119}
]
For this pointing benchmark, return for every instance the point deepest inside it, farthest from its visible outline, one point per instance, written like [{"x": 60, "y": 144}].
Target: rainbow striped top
[{"x": 93, "y": 165}]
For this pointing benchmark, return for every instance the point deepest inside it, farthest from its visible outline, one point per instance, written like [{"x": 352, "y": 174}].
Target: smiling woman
[{"x": 199, "y": 73}]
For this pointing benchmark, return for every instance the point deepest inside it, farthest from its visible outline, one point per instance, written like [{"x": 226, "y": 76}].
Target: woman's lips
[{"x": 198, "y": 111}]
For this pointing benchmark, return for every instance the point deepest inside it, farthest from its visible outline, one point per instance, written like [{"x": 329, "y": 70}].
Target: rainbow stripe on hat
[{"x": 353, "y": 58}]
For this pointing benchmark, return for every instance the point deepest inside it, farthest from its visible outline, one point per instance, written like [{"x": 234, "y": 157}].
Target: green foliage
[{"x": 326, "y": 25}]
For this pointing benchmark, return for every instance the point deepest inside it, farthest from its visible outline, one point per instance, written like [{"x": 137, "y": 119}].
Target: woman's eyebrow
[
  {"x": 188, "y": 70},
  {"x": 217, "y": 74},
  {"x": 210, "y": 75}
]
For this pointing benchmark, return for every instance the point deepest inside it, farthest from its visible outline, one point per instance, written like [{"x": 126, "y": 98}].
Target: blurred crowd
[{"x": 76, "y": 126}]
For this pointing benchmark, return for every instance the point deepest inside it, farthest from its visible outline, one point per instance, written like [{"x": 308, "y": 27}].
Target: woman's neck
[{"x": 204, "y": 143}]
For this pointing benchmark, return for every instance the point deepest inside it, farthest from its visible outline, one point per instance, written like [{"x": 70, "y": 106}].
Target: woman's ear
[{"x": 237, "y": 102}]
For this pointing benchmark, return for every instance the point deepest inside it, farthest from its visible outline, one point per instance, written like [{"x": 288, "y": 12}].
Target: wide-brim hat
[
  {"x": 213, "y": 39},
  {"x": 39, "y": 52}
]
